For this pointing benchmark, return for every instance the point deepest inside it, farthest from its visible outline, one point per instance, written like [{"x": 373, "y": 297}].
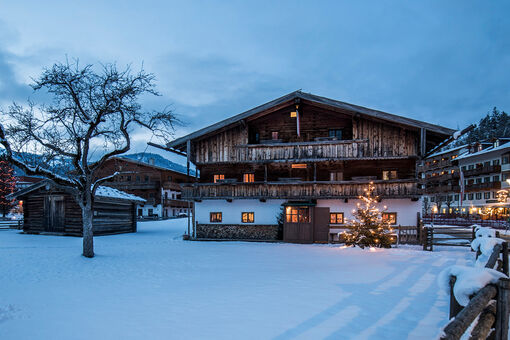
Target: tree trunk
[{"x": 88, "y": 236}]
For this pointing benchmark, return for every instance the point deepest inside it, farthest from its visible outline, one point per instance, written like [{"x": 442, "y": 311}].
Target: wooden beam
[{"x": 167, "y": 149}]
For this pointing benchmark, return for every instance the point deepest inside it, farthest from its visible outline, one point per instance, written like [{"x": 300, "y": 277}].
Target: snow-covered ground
[{"x": 153, "y": 285}]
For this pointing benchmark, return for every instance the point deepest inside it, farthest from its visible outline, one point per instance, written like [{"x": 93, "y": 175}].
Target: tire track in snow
[
  {"x": 395, "y": 281},
  {"x": 432, "y": 319}
]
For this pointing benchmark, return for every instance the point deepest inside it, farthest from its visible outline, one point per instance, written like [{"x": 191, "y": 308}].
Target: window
[
  {"x": 463, "y": 168},
  {"x": 486, "y": 179},
  {"x": 249, "y": 178},
  {"x": 471, "y": 196},
  {"x": 140, "y": 212},
  {"x": 129, "y": 178},
  {"x": 389, "y": 174},
  {"x": 478, "y": 180},
  {"x": 456, "y": 197},
  {"x": 298, "y": 166},
  {"x": 495, "y": 178},
  {"x": 218, "y": 178},
  {"x": 297, "y": 214},
  {"x": 478, "y": 195},
  {"x": 471, "y": 167},
  {"x": 336, "y": 133},
  {"x": 274, "y": 135},
  {"x": 146, "y": 178},
  {"x": 487, "y": 195},
  {"x": 486, "y": 164},
  {"x": 151, "y": 212},
  {"x": 336, "y": 176},
  {"x": 390, "y": 217},
  {"x": 248, "y": 217},
  {"x": 138, "y": 178},
  {"x": 336, "y": 218},
  {"x": 495, "y": 162},
  {"x": 215, "y": 217},
  {"x": 504, "y": 176},
  {"x": 169, "y": 178},
  {"x": 166, "y": 195},
  {"x": 506, "y": 160},
  {"x": 293, "y": 114}
]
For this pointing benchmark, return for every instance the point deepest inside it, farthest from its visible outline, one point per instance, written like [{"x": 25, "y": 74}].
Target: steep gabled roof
[
  {"x": 363, "y": 111},
  {"x": 159, "y": 162}
]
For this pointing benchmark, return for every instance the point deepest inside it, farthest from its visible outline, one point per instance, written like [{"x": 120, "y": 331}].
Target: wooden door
[
  {"x": 321, "y": 225},
  {"x": 298, "y": 226},
  {"x": 54, "y": 213}
]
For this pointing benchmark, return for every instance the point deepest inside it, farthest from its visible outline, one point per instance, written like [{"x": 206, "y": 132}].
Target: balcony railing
[
  {"x": 133, "y": 185},
  {"x": 403, "y": 188},
  {"x": 482, "y": 170},
  {"x": 301, "y": 151},
  {"x": 176, "y": 203},
  {"x": 480, "y": 186}
]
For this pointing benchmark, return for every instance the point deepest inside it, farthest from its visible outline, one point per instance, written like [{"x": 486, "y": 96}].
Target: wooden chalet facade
[
  {"x": 158, "y": 185},
  {"x": 47, "y": 209},
  {"x": 311, "y": 155}
]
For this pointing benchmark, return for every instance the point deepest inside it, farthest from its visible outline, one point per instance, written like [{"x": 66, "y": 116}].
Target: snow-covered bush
[{"x": 485, "y": 240}]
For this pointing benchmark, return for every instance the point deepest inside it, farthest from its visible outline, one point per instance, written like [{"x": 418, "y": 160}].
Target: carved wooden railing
[
  {"x": 300, "y": 190},
  {"x": 300, "y": 151}
]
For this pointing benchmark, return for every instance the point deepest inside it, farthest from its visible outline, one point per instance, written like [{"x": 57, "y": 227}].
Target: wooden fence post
[
  {"x": 502, "y": 309},
  {"x": 455, "y": 307},
  {"x": 505, "y": 257}
]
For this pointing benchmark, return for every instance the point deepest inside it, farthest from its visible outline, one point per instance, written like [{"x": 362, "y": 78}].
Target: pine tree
[
  {"x": 496, "y": 124},
  {"x": 368, "y": 228},
  {"x": 7, "y": 185}
]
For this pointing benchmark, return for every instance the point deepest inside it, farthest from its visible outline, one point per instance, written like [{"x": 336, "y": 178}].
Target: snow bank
[
  {"x": 485, "y": 241},
  {"x": 469, "y": 280}
]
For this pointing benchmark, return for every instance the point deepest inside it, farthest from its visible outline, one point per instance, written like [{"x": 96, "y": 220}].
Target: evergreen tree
[
  {"x": 368, "y": 228},
  {"x": 495, "y": 124},
  {"x": 7, "y": 185}
]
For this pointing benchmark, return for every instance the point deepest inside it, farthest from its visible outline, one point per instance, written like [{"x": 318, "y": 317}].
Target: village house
[
  {"x": 48, "y": 209},
  {"x": 153, "y": 178},
  {"x": 306, "y": 158}
]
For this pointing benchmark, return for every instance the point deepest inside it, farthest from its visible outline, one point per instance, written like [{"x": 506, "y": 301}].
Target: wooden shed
[{"x": 48, "y": 209}]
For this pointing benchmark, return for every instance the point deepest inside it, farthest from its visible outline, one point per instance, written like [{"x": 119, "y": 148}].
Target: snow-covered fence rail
[
  {"x": 484, "y": 291},
  {"x": 11, "y": 224}
]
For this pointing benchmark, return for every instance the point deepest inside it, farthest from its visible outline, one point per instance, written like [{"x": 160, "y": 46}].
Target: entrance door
[
  {"x": 54, "y": 213},
  {"x": 298, "y": 227},
  {"x": 321, "y": 225}
]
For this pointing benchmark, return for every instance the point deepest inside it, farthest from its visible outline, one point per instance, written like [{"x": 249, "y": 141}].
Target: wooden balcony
[
  {"x": 175, "y": 203},
  {"x": 483, "y": 186},
  {"x": 483, "y": 170},
  {"x": 403, "y": 188},
  {"x": 303, "y": 151}
]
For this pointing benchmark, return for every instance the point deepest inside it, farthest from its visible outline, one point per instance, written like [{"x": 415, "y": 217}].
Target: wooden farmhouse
[
  {"x": 309, "y": 157},
  {"x": 152, "y": 178},
  {"x": 47, "y": 209}
]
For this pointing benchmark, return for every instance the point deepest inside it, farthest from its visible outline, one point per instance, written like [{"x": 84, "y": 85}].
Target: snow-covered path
[{"x": 153, "y": 285}]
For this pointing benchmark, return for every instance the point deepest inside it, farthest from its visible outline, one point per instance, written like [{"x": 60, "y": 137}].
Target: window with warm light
[
  {"x": 249, "y": 178},
  {"x": 389, "y": 217},
  {"x": 298, "y": 166},
  {"x": 218, "y": 177},
  {"x": 248, "y": 217},
  {"x": 293, "y": 114},
  {"x": 297, "y": 214},
  {"x": 215, "y": 217},
  {"x": 336, "y": 218},
  {"x": 389, "y": 174}
]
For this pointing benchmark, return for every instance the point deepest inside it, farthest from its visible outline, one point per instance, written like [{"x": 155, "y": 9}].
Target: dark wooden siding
[{"x": 110, "y": 216}]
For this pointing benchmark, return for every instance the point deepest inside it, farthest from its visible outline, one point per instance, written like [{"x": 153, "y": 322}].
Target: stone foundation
[{"x": 237, "y": 232}]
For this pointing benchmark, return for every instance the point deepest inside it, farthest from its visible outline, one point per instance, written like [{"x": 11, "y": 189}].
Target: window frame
[
  {"x": 215, "y": 217},
  {"x": 248, "y": 217},
  {"x": 387, "y": 215},
  {"x": 250, "y": 176},
  {"x": 218, "y": 177},
  {"x": 335, "y": 219}
]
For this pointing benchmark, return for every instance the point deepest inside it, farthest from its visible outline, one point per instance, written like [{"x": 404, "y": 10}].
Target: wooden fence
[
  {"x": 490, "y": 305},
  {"x": 447, "y": 236},
  {"x": 11, "y": 224},
  {"x": 464, "y": 221}
]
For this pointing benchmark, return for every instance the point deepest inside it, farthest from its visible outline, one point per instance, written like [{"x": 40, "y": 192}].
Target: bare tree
[{"x": 91, "y": 109}]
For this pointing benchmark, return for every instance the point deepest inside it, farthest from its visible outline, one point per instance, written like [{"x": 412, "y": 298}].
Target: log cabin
[
  {"x": 50, "y": 210},
  {"x": 306, "y": 158}
]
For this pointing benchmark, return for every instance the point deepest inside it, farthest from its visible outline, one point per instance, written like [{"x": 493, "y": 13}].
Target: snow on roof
[
  {"x": 158, "y": 161},
  {"x": 484, "y": 151},
  {"x": 107, "y": 192},
  {"x": 439, "y": 153}
]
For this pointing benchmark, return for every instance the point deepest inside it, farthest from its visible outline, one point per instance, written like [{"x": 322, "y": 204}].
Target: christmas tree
[
  {"x": 7, "y": 185},
  {"x": 369, "y": 228}
]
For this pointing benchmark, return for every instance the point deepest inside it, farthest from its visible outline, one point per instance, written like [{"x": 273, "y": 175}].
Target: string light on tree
[
  {"x": 7, "y": 185},
  {"x": 369, "y": 228}
]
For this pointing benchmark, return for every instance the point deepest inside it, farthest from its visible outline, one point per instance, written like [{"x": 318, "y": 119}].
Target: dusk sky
[{"x": 445, "y": 62}]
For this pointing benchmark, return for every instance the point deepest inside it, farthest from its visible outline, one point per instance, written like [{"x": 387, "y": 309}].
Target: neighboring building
[
  {"x": 484, "y": 167},
  {"x": 47, "y": 209},
  {"x": 153, "y": 178},
  {"x": 23, "y": 182},
  {"x": 310, "y": 156}
]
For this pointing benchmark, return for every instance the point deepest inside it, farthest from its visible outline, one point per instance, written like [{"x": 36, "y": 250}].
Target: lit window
[
  {"x": 293, "y": 114},
  {"x": 336, "y": 218},
  {"x": 248, "y": 217},
  {"x": 218, "y": 177},
  {"x": 249, "y": 178},
  {"x": 298, "y": 166},
  {"x": 389, "y": 174},
  {"x": 390, "y": 217},
  {"x": 215, "y": 217},
  {"x": 297, "y": 215}
]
